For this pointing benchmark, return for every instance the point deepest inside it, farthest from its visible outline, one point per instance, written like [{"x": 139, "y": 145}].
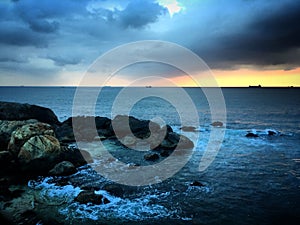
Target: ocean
[{"x": 250, "y": 181}]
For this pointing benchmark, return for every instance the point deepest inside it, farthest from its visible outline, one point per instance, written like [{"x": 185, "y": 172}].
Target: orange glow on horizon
[{"x": 246, "y": 77}]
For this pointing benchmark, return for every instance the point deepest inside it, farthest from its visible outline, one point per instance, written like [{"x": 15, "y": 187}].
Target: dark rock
[
  {"x": 76, "y": 156},
  {"x": 217, "y": 124},
  {"x": 85, "y": 128},
  {"x": 188, "y": 129},
  {"x": 174, "y": 140},
  {"x": 63, "y": 168},
  {"x": 18, "y": 111},
  {"x": 196, "y": 184},
  {"x": 85, "y": 197},
  {"x": 165, "y": 153},
  {"x": 140, "y": 128},
  {"x": 114, "y": 190},
  {"x": 271, "y": 133},
  {"x": 251, "y": 135},
  {"x": 7, "y": 163},
  {"x": 151, "y": 157},
  {"x": 5, "y": 157}
]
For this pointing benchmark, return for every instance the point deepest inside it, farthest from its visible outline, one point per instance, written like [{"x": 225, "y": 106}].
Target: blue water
[{"x": 251, "y": 181}]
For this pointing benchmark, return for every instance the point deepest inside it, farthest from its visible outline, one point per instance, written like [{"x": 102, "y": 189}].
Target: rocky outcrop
[
  {"x": 6, "y": 129},
  {"x": 139, "y": 128},
  {"x": 20, "y": 112},
  {"x": 65, "y": 132},
  {"x": 37, "y": 150},
  {"x": 22, "y": 134}
]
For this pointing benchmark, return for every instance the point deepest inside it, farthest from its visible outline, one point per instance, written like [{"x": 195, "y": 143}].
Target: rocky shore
[{"x": 33, "y": 142}]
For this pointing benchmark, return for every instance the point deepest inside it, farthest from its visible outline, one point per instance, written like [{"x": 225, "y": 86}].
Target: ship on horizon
[{"x": 255, "y": 86}]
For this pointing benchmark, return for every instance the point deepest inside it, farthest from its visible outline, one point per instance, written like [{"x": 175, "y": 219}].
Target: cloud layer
[{"x": 56, "y": 35}]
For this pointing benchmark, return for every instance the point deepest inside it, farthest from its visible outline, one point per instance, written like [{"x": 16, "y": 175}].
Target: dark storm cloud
[
  {"x": 139, "y": 13},
  {"x": 270, "y": 37},
  {"x": 14, "y": 34}
]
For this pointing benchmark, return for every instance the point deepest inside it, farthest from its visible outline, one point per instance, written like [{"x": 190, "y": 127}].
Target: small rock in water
[
  {"x": 85, "y": 197},
  {"x": 196, "y": 184},
  {"x": 63, "y": 168},
  {"x": 114, "y": 190},
  {"x": 271, "y": 132},
  {"x": 188, "y": 128},
  {"x": 217, "y": 124},
  {"x": 251, "y": 135},
  {"x": 151, "y": 157}
]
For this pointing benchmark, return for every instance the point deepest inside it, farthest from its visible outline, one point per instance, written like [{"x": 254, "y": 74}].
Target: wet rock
[
  {"x": 174, "y": 140},
  {"x": 151, "y": 157},
  {"x": 196, "y": 184},
  {"x": 63, "y": 168},
  {"x": 217, "y": 124},
  {"x": 6, "y": 129},
  {"x": 39, "y": 153},
  {"x": 24, "y": 133},
  {"x": 165, "y": 153},
  {"x": 114, "y": 190},
  {"x": 251, "y": 135},
  {"x": 188, "y": 129},
  {"x": 18, "y": 111},
  {"x": 85, "y": 197},
  {"x": 272, "y": 133}
]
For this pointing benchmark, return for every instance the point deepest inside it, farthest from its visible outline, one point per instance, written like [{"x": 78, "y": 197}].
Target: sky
[{"x": 243, "y": 42}]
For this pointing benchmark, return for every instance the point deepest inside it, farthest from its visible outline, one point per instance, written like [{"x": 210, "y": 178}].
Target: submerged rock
[
  {"x": 18, "y": 111},
  {"x": 114, "y": 190},
  {"x": 62, "y": 169},
  {"x": 151, "y": 157},
  {"x": 251, "y": 135},
  {"x": 196, "y": 184},
  {"x": 85, "y": 197}
]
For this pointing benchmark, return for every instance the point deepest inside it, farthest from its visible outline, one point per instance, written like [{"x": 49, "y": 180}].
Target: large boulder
[
  {"x": 6, "y": 129},
  {"x": 24, "y": 133},
  {"x": 40, "y": 153},
  {"x": 18, "y": 111}
]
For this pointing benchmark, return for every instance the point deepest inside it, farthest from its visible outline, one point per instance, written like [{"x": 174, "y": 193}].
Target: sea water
[{"x": 251, "y": 180}]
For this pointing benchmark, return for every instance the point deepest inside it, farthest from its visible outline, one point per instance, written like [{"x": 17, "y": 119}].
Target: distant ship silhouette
[
  {"x": 149, "y": 86},
  {"x": 258, "y": 86}
]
